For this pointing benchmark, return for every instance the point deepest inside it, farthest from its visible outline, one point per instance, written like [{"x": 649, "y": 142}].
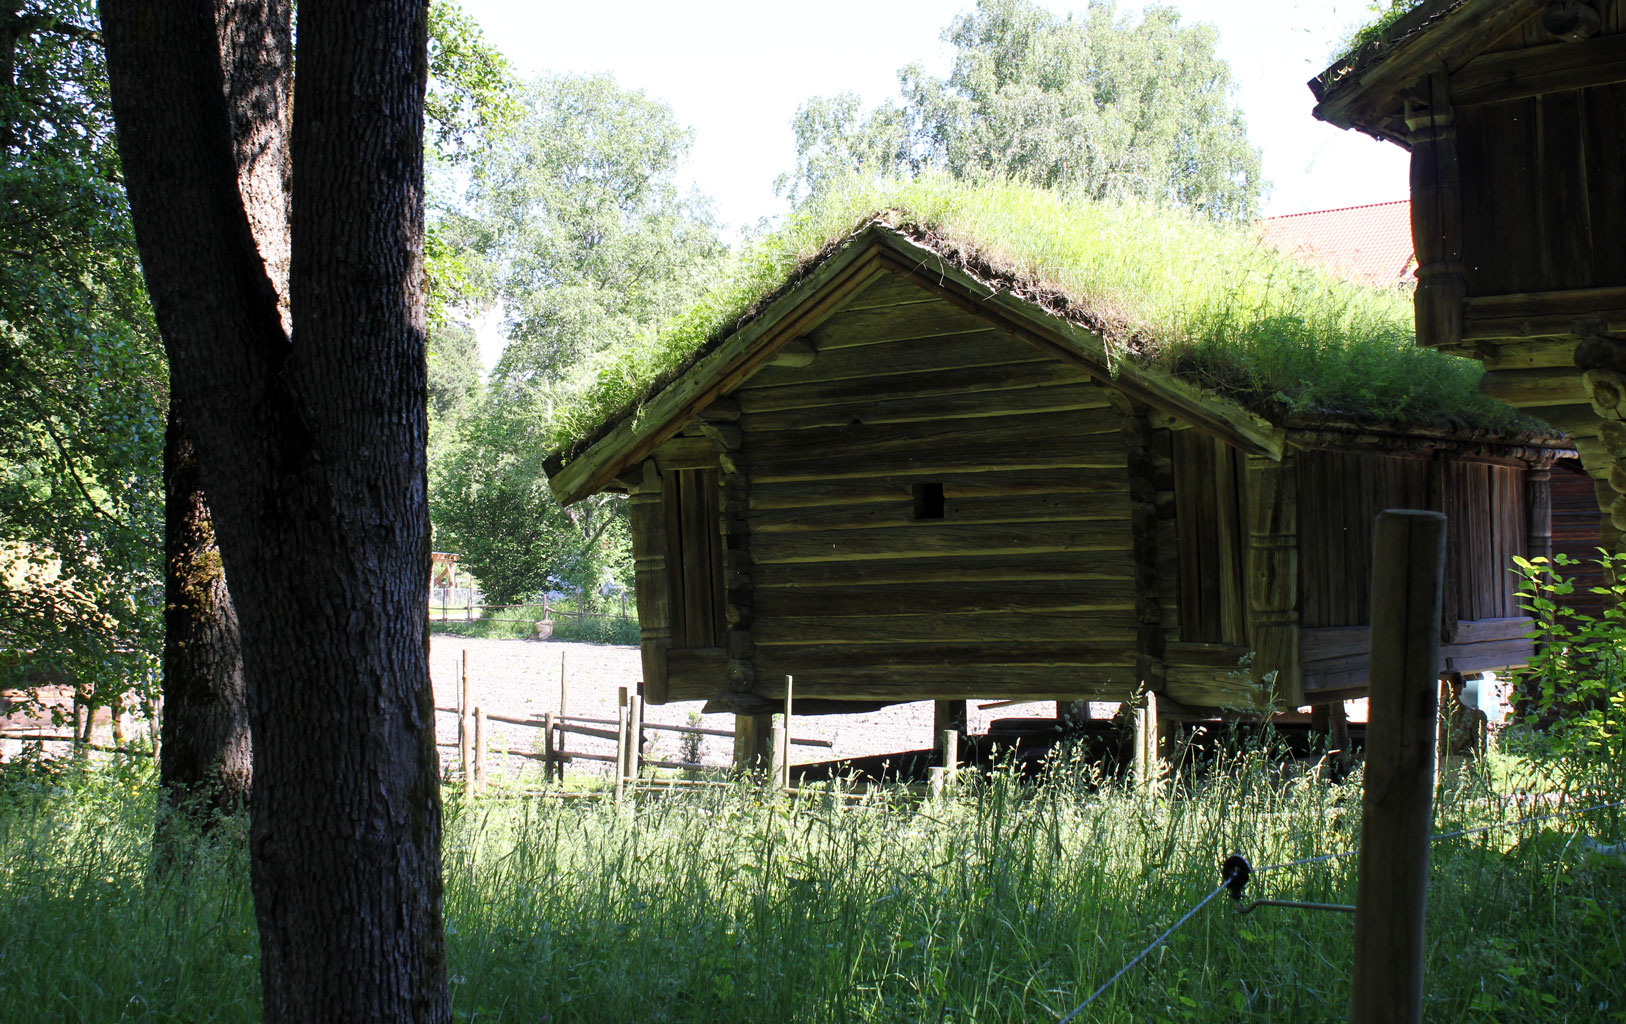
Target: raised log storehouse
[{"x": 906, "y": 477}]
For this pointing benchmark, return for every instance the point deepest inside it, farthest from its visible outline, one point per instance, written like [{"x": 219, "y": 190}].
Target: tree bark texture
[
  {"x": 311, "y": 441},
  {"x": 204, "y": 760}
]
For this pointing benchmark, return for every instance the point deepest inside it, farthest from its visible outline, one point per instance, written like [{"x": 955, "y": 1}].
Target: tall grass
[
  {"x": 1164, "y": 287},
  {"x": 519, "y": 622},
  {"x": 1009, "y": 902}
]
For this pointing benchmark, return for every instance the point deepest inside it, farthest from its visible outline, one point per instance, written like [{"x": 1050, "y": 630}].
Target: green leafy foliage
[
  {"x": 83, "y": 383},
  {"x": 574, "y": 224},
  {"x": 1577, "y": 675},
  {"x": 1168, "y": 288},
  {"x": 1102, "y": 106}
]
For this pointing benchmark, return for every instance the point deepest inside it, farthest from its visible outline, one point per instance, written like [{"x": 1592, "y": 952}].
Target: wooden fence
[{"x": 626, "y": 733}]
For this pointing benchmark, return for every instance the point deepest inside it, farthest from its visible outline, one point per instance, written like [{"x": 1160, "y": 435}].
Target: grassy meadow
[{"x": 1010, "y": 901}]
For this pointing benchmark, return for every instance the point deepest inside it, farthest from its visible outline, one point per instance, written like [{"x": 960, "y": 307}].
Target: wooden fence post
[
  {"x": 635, "y": 733},
  {"x": 1391, "y": 894},
  {"x": 479, "y": 751},
  {"x": 548, "y": 772},
  {"x": 463, "y": 727}
]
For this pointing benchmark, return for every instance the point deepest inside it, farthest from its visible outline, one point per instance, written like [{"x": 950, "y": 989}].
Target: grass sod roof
[{"x": 1164, "y": 289}]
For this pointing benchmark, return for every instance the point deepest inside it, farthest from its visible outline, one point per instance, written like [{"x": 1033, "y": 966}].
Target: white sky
[{"x": 735, "y": 71}]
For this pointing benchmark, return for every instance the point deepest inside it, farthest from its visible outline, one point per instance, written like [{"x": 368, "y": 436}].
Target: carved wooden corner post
[
  {"x": 752, "y": 733},
  {"x": 648, "y": 519},
  {"x": 1273, "y": 576},
  {"x": 1436, "y": 213},
  {"x": 1602, "y": 361},
  {"x": 1150, "y": 669}
]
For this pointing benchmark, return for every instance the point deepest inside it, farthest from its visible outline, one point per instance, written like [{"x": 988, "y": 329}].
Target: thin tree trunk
[
  {"x": 312, "y": 449},
  {"x": 204, "y": 760}
]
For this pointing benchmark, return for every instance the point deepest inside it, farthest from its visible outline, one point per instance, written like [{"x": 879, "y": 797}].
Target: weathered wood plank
[
  {"x": 968, "y": 454},
  {"x": 884, "y": 291},
  {"x": 953, "y": 681},
  {"x": 1538, "y": 70},
  {"x": 1063, "y": 596},
  {"x": 865, "y": 490},
  {"x": 1527, "y": 388},
  {"x": 970, "y": 650},
  {"x": 694, "y": 672},
  {"x": 920, "y": 384},
  {"x": 914, "y": 315},
  {"x": 1217, "y": 688},
  {"x": 1095, "y": 624},
  {"x": 848, "y": 440},
  {"x": 1271, "y": 502},
  {"x": 1202, "y": 655},
  {"x": 1030, "y": 508},
  {"x": 1604, "y": 113},
  {"x": 985, "y": 347},
  {"x": 883, "y": 406},
  {"x": 940, "y": 539},
  {"x": 1561, "y": 192},
  {"x": 930, "y": 571}
]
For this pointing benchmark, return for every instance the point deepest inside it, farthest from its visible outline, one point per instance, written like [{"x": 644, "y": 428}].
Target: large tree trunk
[
  {"x": 311, "y": 447},
  {"x": 203, "y": 762}
]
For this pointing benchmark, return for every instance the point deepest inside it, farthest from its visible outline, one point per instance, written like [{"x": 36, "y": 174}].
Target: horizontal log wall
[{"x": 910, "y": 410}]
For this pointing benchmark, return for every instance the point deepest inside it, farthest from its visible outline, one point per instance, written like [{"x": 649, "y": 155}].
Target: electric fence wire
[
  {"x": 1321, "y": 858},
  {"x": 1143, "y": 953}
]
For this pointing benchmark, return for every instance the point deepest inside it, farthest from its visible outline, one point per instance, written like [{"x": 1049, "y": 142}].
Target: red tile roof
[{"x": 1370, "y": 244}]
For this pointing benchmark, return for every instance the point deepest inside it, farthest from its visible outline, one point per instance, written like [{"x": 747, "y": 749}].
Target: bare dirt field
[{"x": 520, "y": 679}]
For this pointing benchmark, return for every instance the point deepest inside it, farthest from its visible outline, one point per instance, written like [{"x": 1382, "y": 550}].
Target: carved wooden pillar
[
  {"x": 647, "y": 513},
  {"x": 1436, "y": 214},
  {"x": 1273, "y": 576}
]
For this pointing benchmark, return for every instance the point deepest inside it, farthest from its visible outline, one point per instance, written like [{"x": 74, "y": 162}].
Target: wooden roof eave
[
  {"x": 1371, "y": 95},
  {"x": 739, "y": 354},
  {"x": 1075, "y": 344}
]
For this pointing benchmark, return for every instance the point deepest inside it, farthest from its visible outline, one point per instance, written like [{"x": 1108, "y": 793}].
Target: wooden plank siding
[
  {"x": 1340, "y": 495},
  {"x": 1542, "y": 179},
  {"x": 1576, "y": 533},
  {"x": 936, "y": 510}
]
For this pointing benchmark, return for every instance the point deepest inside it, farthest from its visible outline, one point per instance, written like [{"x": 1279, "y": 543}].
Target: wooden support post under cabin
[
  {"x": 751, "y": 742},
  {"x": 479, "y": 751},
  {"x": 1273, "y": 577},
  {"x": 948, "y": 716},
  {"x": 647, "y": 517},
  {"x": 1150, "y": 640},
  {"x": 549, "y": 768},
  {"x": 1391, "y": 893},
  {"x": 1148, "y": 762},
  {"x": 949, "y": 739},
  {"x": 781, "y": 755},
  {"x": 1436, "y": 213}
]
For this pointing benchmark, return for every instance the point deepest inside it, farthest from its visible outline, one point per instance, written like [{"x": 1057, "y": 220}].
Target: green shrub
[{"x": 1578, "y": 673}]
